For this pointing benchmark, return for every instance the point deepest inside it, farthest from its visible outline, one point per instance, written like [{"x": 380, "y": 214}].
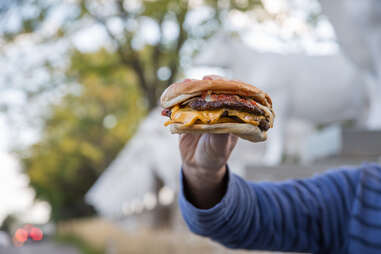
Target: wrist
[
  {"x": 207, "y": 176},
  {"x": 203, "y": 188}
]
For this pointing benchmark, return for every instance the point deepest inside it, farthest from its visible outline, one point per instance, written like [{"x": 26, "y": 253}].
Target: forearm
[
  {"x": 248, "y": 216},
  {"x": 231, "y": 221},
  {"x": 204, "y": 188},
  {"x": 287, "y": 216}
]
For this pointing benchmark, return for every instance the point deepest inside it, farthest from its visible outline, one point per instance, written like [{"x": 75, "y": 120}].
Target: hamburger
[{"x": 218, "y": 105}]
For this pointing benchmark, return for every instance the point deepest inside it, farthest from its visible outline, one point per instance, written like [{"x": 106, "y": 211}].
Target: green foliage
[{"x": 84, "y": 132}]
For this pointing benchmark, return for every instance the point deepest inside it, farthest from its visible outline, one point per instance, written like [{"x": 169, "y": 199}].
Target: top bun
[{"x": 188, "y": 88}]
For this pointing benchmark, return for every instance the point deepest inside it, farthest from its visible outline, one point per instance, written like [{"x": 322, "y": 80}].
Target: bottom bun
[{"x": 242, "y": 130}]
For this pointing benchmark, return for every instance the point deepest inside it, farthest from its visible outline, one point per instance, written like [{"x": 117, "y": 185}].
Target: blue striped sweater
[{"x": 336, "y": 212}]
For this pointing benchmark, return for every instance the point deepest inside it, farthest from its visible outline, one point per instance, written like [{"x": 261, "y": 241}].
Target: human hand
[{"x": 204, "y": 158}]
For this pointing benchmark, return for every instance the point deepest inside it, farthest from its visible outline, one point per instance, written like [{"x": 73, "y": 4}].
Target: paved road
[{"x": 43, "y": 248}]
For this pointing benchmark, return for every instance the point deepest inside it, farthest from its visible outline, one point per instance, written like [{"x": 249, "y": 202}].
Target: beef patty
[{"x": 201, "y": 104}]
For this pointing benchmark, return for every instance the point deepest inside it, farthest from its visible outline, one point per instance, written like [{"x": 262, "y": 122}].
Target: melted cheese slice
[{"x": 188, "y": 116}]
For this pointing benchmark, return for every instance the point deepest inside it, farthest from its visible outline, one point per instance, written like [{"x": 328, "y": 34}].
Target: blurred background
[{"x": 86, "y": 165}]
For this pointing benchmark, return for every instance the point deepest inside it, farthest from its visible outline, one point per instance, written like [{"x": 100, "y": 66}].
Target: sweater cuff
[{"x": 201, "y": 221}]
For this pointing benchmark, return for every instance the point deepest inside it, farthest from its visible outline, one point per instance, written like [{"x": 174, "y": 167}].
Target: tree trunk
[
  {"x": 151, "y": 99},
  {"x": 162, "y": 214}
]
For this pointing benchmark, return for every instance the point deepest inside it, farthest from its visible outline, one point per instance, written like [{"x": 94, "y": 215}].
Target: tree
[
  {"x": 8, "y": 224},
  {"x": 105, "y": 92},
  {"x": 155, "y": 64},
  {"x": 84, "y": 132}
]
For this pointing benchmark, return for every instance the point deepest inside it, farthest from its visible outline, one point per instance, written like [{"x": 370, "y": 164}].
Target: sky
[{"x": 15, "y": 194}]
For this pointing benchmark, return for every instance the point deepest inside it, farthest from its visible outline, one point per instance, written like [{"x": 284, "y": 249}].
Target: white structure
[
  {"x": 316, "y": 89},
  {"x": 131, "y": 176},
  {"x": 358, "y": 29}
]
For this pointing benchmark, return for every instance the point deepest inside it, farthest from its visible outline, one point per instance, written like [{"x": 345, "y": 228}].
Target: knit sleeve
[{"x": 309, "y": 215}]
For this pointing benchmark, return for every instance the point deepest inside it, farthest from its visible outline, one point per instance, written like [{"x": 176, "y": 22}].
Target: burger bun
[{"x": 246, "y": 131}]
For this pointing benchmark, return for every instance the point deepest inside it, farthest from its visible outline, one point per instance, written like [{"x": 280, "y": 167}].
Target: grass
[
  {"x": 80, "y": 244},
  {"x": 105, "y": 235}
]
